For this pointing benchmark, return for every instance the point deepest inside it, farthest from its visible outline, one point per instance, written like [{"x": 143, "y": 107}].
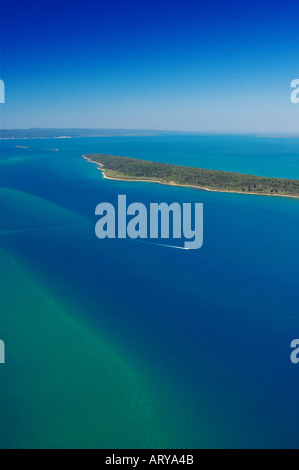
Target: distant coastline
[
  {"x": 33, "y": 138},
  {"x": 70, "y": 133},
  {"x": 129, "y": 169}
]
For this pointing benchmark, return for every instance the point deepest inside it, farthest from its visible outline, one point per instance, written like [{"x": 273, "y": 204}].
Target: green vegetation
[{"x": 133, "y": 169}]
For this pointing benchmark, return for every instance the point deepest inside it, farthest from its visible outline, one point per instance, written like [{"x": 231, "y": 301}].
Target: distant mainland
[
  {"x": 132, "y": 169},
  {"x": 68, "y": 133}
]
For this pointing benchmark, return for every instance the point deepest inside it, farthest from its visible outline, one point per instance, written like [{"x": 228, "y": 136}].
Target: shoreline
[
  {"x": 37, "y": 138},
  {"x": 102, "y": 169}
]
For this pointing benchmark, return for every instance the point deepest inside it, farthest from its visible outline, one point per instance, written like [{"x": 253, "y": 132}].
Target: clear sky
[{"x": 192, "y": 65}]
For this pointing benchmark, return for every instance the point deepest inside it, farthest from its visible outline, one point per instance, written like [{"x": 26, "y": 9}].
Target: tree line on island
[{"x": 127, "y": 168}]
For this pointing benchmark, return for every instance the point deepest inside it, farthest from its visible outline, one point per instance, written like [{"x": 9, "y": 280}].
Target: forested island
[{"x": 132, "y": 169}]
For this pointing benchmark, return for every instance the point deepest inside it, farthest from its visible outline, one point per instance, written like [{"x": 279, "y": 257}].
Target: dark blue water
[{"x": 209, "y": 330}]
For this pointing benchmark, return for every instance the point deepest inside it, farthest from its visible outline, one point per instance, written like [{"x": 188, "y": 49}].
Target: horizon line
[{"x": 202, "y": 132}]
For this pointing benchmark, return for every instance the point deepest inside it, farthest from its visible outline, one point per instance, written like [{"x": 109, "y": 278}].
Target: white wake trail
[{"x": 161, "y": 244}]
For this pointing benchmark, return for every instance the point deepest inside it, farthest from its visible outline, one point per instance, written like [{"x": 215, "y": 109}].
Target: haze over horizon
[
  {"x": 142, "y": 131},
  {"x": 216, "y": 67}
]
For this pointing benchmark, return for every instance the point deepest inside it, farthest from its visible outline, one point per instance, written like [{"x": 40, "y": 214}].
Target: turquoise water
[{"x": 189, "y": 348}]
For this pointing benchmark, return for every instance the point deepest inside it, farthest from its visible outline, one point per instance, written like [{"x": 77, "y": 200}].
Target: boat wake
[{"x": 162, "y": 244}]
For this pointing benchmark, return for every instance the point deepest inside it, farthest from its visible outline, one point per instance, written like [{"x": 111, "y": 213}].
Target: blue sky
[{"x": 207, "y": 66}]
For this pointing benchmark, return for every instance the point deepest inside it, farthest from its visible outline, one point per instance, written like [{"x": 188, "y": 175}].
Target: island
[{"x": 132, "y": 169}]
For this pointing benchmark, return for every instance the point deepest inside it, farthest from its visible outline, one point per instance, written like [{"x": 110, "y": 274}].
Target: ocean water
[{"x": 122, "y": 344}]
